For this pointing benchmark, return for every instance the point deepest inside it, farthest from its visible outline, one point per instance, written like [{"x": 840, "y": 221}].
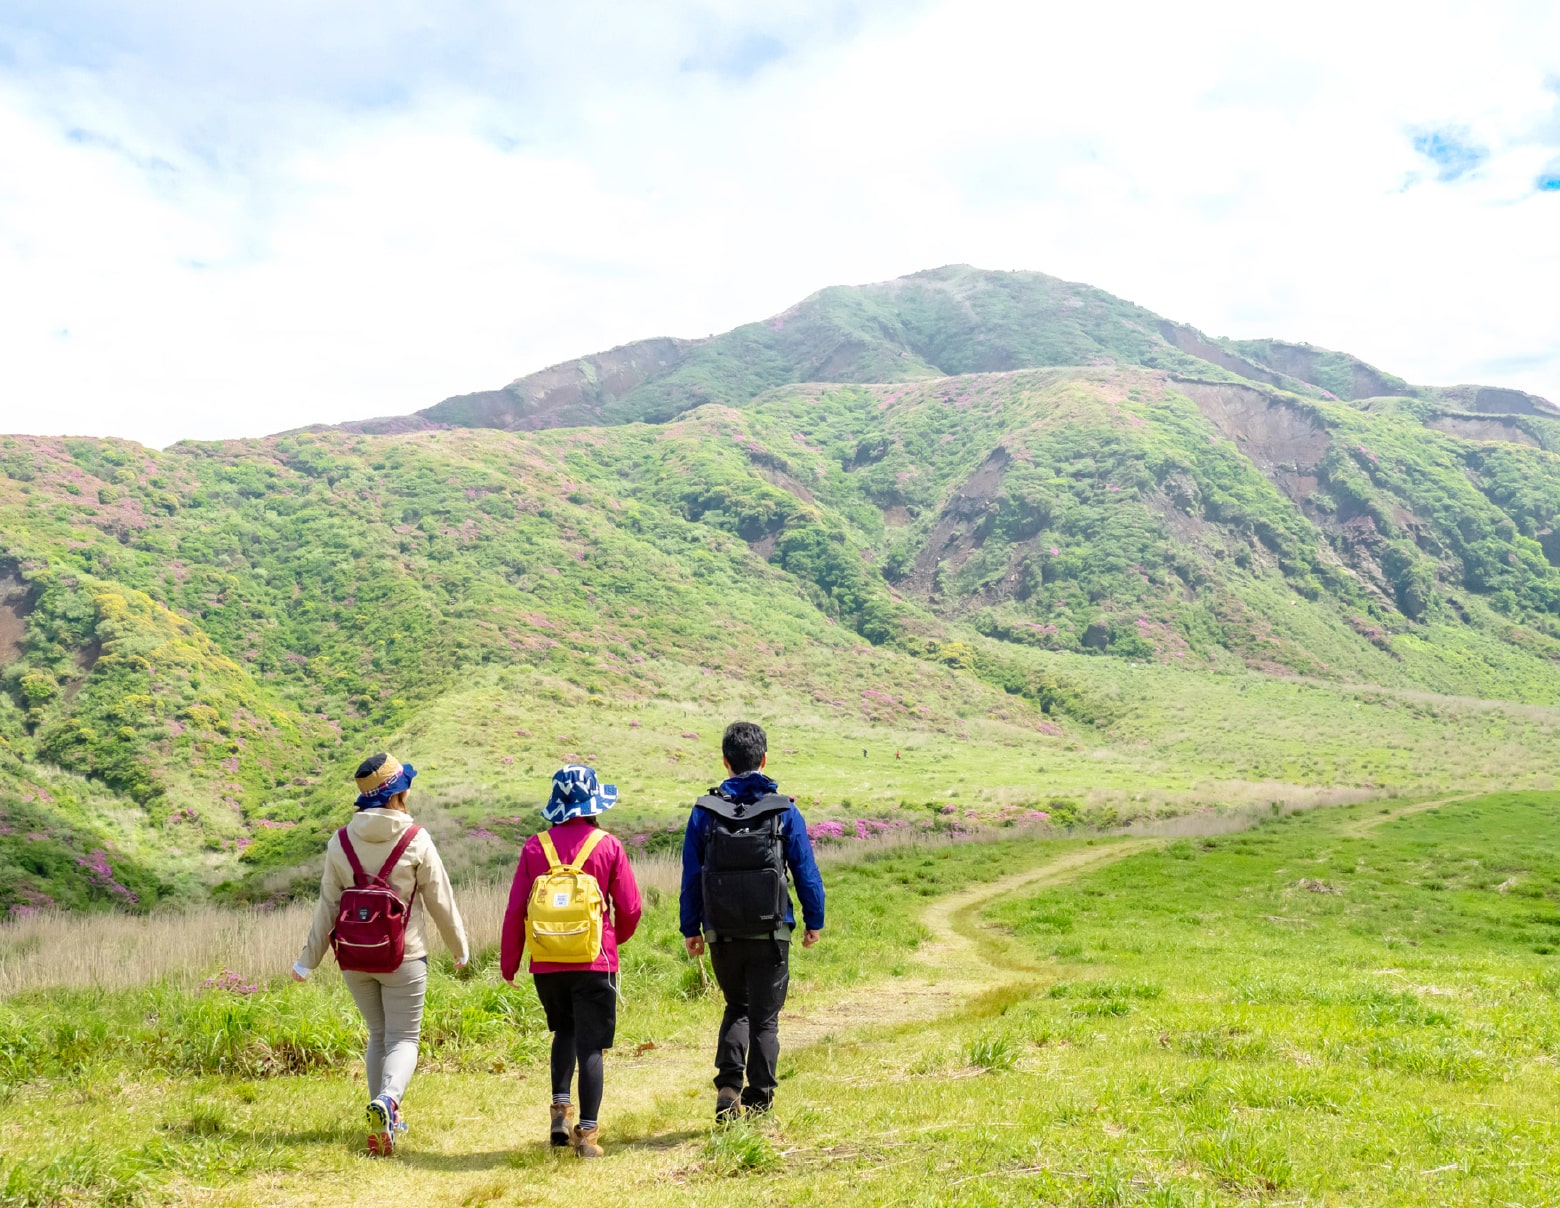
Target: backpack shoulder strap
[
  {"x": 396, "y": 853},
  {"x": 549, "y": 852},
  {"x": 775, "y": 820},
  {"x": 358, "y": 875},
  {"x": 592, "y": 841}
]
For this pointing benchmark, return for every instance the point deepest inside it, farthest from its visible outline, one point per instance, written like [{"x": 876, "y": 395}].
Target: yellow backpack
[{"x": 567, "y": 907}]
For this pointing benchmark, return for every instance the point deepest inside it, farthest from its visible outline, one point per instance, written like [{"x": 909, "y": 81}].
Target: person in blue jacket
[{"x": 744, "y": 842}]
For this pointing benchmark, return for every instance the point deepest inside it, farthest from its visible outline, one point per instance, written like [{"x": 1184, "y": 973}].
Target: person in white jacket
[{"x": 391, "y": 1003}]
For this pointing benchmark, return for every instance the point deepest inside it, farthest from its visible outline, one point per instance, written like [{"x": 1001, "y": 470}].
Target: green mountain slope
[
  {"x": 1135, "y": 582},
  {"x": 941, "y": 322}
]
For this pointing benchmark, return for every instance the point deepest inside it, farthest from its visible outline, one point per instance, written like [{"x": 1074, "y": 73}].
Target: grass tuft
[
  {"x": 994, "y": 1051},
  {"x": 1245, "y": 1160},
  {"x": 740, "y": 1149}
]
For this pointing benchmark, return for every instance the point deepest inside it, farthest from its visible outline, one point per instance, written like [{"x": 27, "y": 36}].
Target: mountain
[
  {"x": 939, "y": 323},
  {"x": 967, "y": 542}
]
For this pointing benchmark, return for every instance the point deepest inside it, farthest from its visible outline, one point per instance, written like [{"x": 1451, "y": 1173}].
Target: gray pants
[{"x": 392, "y": 1006}]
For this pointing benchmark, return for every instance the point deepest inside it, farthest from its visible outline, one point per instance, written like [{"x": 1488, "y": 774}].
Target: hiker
[
  {"x": 567, "y": 877},
  {"x": 382, "y": 872},
  {"x": 741, "y": 841}
]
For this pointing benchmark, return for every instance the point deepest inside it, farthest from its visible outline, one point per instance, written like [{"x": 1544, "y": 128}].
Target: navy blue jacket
[{"x": 798, "y": 858}]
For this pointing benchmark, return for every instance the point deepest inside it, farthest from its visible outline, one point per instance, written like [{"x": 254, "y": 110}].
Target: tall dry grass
[{"x": 116, "y": 951}]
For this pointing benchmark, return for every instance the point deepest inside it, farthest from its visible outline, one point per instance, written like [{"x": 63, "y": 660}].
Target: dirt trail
[
  {"x": 1360, "y": 828},
  {"x": 961, "y": 960}
]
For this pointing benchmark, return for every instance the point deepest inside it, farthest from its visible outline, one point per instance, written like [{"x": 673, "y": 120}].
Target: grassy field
[{"x": 1348, "y": 1006}]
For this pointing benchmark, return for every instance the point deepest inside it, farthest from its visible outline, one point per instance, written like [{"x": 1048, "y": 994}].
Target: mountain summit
[{"x": 939, "y": 323}]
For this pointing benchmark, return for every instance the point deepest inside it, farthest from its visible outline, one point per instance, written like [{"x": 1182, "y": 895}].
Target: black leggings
[{"x": 564, "y": 1055}]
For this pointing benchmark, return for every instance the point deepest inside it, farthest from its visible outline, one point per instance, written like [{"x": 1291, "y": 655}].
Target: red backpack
[{"x": 370, "y": 931}]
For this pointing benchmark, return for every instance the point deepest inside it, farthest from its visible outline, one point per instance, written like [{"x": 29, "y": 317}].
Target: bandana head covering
[
  {"x": 384, "y": 782},
  {"x": 577, "y": 794}
]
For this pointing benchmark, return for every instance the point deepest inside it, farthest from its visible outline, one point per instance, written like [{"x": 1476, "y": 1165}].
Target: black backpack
[{"x": 745, "y": 887}]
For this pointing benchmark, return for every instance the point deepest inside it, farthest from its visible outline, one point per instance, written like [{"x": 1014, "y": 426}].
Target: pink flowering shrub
[
  {"x": 857, "y": 830},
  {"x": 102, "y": 874},
  {"x": 231, "y": 983}
]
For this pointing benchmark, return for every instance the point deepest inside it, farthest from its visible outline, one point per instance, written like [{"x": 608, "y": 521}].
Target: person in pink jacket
[{"x": 580, "y": 1000}]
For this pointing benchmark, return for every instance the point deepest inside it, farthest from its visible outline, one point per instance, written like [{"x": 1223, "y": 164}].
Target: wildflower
[{"x": 231, "y": 983}]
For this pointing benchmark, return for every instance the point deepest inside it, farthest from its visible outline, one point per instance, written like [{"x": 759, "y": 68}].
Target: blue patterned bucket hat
[{"x": 577, "y": 794}]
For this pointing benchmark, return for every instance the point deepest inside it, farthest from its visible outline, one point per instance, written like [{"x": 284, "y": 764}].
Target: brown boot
[
  {"x": 728, "y": 1105},
  {"x": 562, "y": 1124},
  {"x": 587, "y": 1142}
]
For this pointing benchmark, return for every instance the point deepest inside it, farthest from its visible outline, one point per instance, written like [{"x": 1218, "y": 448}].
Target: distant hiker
[
  {"x": 741, "y": 841},
  {"x": 379, "y": 869},
  {"x": 567, "y": 879}
]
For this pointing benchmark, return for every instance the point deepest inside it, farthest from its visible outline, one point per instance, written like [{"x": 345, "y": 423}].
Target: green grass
[{"x": 1337, "y": 1007}]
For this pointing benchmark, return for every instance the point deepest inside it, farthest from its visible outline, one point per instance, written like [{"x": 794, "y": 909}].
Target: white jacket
[{"x": 374, "y": 833}]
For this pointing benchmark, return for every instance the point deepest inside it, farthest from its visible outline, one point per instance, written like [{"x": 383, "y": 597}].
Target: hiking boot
[
  {"x": 562, "y": 1124},
  {"x": 728, "y": 1105},
  {"x": 587, "y": 1142}
]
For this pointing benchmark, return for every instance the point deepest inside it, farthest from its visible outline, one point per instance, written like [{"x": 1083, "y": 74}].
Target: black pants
[
  {"x": 754, "y": 976},
  {"x": 581, "y": 1009}
]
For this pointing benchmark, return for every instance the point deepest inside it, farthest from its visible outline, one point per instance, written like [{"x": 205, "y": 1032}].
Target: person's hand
[
  {"x": 810, "y": 937},
  {"x": 463, "y": 964},
  {"x": 694, "y": 944},
  {"x": 296, "y": 976}
]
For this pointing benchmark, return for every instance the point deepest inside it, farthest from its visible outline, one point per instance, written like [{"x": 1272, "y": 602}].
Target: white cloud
[{"x": 245, "y": 224}]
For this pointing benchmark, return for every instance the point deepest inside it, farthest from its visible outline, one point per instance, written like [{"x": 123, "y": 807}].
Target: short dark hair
[
  {"x": 744, "y": 745},
  {"x": 369, "y": 766}
]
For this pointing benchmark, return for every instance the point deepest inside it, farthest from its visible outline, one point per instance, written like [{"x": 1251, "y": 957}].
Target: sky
[{"x": 222, "y": 219}]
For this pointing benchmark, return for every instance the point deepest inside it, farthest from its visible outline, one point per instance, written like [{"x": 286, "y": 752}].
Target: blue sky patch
[
  {"x": 740, "y": 59},
  {"x": 1452, "y": 151}
]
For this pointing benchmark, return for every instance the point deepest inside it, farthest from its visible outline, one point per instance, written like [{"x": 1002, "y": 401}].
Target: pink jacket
[{"x": 608, "y": 864}]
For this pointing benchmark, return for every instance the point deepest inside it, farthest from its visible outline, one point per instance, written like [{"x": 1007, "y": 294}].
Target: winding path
[
  {"x": 1360, "y": 828},
  {"x": 962, "y": 959}
]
